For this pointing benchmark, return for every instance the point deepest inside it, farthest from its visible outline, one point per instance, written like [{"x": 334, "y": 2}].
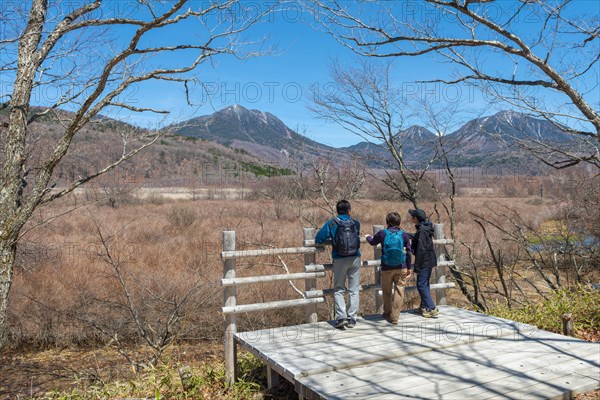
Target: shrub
[
  {"x": 181, "y": 217},
  {"x": 581, "y": 301},
  {"x": 204, "y": 382}
]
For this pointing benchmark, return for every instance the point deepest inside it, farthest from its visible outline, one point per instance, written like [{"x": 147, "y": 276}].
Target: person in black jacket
[{"x": 425, "y": 260}]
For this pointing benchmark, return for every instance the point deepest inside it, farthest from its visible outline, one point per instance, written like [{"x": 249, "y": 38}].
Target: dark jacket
[
  {"x": 327, "y": 232},
  {"x": 379, "y": 238},
  {"x": 422, "y": 247}
]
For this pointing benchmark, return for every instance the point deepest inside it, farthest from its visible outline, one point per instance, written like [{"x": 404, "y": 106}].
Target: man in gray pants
[{"x": 343, "y": 233}]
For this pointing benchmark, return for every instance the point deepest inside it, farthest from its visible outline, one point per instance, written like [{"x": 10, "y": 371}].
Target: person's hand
[
  {"x": 409, "y": 273},
  {"x": 367, "y": 237}
]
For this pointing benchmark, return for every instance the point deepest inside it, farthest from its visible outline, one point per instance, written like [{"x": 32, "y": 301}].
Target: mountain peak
[
  {"x": 236, "y": 108},
  {"x": 509, "y": 116},
  {"x": 255, "y": 131},
  {"x": 505, "y": 129},
  {"x": 240, "y": 111},
  {"x": 508, "y": 113},
  {"x": 418, "y": 130}
]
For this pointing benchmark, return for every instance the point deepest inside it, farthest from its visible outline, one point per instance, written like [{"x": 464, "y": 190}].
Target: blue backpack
[{"x": 393, "y": 249}]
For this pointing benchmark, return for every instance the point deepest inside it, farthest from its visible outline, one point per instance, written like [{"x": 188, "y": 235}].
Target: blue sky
[{"x": 282, "y": 83}]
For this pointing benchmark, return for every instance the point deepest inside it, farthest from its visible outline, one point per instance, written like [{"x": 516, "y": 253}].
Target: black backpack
[{"x": 346, "y": 241}]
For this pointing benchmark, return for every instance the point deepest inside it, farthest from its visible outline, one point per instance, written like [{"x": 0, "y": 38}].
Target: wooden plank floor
[{"x": 461, "y": 354}]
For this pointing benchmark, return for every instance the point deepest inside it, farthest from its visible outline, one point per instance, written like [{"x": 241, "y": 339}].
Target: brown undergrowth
[{"x": 96, "y": 287}]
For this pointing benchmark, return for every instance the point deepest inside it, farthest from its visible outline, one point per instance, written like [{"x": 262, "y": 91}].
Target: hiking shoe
[
  {"x": 340, "y": 324},
  {"x": 433, "y": 313},
  {"x": 351, "y": 323},
  {"x": 419, "y": 310}
]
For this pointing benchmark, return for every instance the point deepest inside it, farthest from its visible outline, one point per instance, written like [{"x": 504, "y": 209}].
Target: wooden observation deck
[{"x": 459, "y": 355}]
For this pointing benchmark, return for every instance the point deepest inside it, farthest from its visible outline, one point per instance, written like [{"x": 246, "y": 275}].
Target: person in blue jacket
[
  {"x": 395, "y": 265},
  {"x": 343, "y": 233}
]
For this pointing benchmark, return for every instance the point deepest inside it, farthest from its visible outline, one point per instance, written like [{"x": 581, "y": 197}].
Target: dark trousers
[{"x": 423, "y": 287}]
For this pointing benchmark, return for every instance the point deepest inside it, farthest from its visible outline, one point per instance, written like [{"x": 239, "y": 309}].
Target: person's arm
[
  {"x": 415, "y": 243},
  {"x": 324, "y": 234},
  {"x": 377, "y": 239},
  {"x": 407, "y": 244}
]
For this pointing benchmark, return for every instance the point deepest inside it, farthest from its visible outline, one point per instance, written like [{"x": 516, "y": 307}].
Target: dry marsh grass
[
  {"x": 66, "y": 291},
  {"x": 80, "y": 277}
]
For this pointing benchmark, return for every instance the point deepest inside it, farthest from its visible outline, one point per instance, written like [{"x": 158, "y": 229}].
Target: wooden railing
[{"x": 312, "y": 271}]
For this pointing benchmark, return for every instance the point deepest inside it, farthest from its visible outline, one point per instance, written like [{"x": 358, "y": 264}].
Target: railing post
[
  {"x": 229, "y": 299},
  {"x": 377, "y": 271},
  {"x": 310, "y": 284},
  {"x": 439, "y": 272},
  {"x": 568, "y": 326}
]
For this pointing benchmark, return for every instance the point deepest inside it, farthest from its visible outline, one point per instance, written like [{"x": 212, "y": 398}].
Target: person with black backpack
[
  {"x": 425, "y": 261},
  {"x": 395, "y": 265},
  {"x": 343, "y": 233}
]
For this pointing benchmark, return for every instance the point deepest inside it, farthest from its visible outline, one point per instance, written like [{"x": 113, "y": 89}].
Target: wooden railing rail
[
  {"x": 312, "y": 296},
  {"x": 271, "y": 278}
]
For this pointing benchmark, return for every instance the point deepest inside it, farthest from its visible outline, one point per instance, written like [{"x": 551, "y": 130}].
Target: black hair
[
  {"x": 393, "y": 219},
  {"x": 342, "y": 207}
]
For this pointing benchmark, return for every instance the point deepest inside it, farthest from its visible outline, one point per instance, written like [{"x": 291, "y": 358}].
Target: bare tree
[
  {"x": 156, "y": 313},
  {"x": 94, "y": 54},
  {"x": 441, "y": 120},
  {"x": 544, "y": 52},
  {"x": 367, "y": 103},
  {"x": 531, "y": 258},
  {"x": 321, "y": 182},
  {"x": 127, "y": 305},
  {"x": 498, "y": 263}
]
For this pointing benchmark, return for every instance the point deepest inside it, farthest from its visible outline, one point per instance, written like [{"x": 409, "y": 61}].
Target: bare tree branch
[
  {"x": 466, "y": 34},
  {"x": 92, "y": 62}
]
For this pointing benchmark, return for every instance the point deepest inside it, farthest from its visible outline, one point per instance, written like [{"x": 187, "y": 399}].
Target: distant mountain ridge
[
  {"x": 506, "y": 128},
  {"x": 418, "y": 143},
  {"x": 481, "y": 141},
  {"x": 174, "y": 160},
  {"x": 252, "y": 141},
  {"x": 498, "y": 139},
  {"x": 257, "y": 132}
]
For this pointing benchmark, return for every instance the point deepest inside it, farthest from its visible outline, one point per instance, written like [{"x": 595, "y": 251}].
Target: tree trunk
[
  {"x": 14, "y": 214},
  {"x": 8, "y": 249}
]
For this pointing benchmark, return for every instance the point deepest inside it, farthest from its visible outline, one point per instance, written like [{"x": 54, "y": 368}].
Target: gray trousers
[{"x": 346, "y": 267}]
